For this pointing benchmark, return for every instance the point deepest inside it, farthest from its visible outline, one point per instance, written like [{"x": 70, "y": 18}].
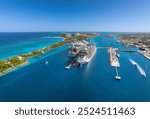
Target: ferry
[{"x": 86, "y": 54}]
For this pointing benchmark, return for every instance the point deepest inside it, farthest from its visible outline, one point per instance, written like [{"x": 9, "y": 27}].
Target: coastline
[
  {"x": 23, "y": 64},
  {"x": 32, "y": 54},
  {"x": 13, "y": 68},
  {"x": 144, "y": 55}
]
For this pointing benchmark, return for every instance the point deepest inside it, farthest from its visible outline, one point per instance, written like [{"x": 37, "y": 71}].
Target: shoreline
[
  {"x": 21, "y": 65},
  {"x": 13, "y": 68},
  {"x": 32, "y": 54},
  {"x": 144, "y": 55}
]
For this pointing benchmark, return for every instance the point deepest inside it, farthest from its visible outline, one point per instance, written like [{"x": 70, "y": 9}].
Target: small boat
[
  {"x": 46, "y": 62},
  {"x": 141, "y": 71},
  {"x": 118, "y": 55},
  {"x": 117, "y": 76},
  {"x": 133, "y": 62},
  {"x": 67, "y": 67}
]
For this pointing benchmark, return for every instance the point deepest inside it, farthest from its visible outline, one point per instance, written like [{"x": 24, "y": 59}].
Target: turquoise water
[
  {"x": 26, "y": 45},
  {"x": 92, "y": 82}
]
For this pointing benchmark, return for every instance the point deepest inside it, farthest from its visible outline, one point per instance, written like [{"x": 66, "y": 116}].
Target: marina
[{"x": 113, "y": 57}]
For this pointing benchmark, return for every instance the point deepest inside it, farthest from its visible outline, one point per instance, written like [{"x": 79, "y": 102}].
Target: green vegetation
[
  {"x": 16, "y": 61},
  {"x": 4, "y": 66},
  {"x": 10, "y": 63}
]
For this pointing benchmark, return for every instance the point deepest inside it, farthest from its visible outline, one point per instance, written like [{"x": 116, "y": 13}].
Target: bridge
[
  {"x": 118, "y": 49},
  {"x": 121, "y": 50}
]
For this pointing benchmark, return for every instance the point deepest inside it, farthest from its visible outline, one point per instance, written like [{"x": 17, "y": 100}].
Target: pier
[
  {"x": 72, "y": 63},
  {"x": 125, "y": 50},
  {"x": 113, "y": 57},
  {"x": 114, "y": 61},
  {"x": 118, "y": 49}
]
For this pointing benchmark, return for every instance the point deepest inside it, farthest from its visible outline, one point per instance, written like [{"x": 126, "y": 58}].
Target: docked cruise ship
[
  {"x": 86, "y": 54},
  {"x": 75, "y": 48}
]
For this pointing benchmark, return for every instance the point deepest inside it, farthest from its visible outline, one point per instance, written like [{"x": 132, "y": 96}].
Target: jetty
[
  {"x": 113, "y": 57},
  {"x": 118, "y": 49},
  {"x": 114, "y": 61},
  {"x": 72, "y": 63}
]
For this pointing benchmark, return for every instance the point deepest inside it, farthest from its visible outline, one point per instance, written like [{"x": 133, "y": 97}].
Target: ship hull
[{"x": 89, "y": 59}]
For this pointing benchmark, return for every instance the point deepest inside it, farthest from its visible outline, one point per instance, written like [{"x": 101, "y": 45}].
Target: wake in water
[{"x": 142, "y": 72}]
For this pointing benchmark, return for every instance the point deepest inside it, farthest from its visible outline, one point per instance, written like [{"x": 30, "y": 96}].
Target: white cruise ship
[
  {"x": 75, "y": 49},
  {"x": 86, "y": 54}
]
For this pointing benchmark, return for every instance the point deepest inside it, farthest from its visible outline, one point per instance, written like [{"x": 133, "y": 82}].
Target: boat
[
  {"x": 86, "y": 54},
  {"x": 133, "y": 62},
  {"x": 72, "y": 63},
  {"x": 118, "y": 55},
  {"x": 46, "y": 62},
  {"x": 75, "y": 49},
  {"x": 142, "y": 72},
  {"x": 67, "y": 67},
  {"x": 117, "y": 76}
]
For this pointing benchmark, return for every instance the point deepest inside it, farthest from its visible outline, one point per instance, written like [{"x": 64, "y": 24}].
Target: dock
[
  {"x": 114, "y": 62},
  {"x": 113, "y": 57},
  {"x": 71, "y": 64},
  {"x": 126, "y": 50}
]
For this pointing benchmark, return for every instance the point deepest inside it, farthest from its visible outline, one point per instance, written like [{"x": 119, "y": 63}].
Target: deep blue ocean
[{"x": 94, "y": 82}]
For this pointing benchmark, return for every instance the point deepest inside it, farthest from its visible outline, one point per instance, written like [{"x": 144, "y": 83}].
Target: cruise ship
[
  {"x": 75, "y": 49},
  {"x": 86, "y": 54}
]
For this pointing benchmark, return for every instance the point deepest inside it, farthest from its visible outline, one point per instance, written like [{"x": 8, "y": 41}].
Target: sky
[{"x": 75, "y": 15}]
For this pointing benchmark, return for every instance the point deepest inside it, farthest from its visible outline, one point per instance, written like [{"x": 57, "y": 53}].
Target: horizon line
[{"x": 74, "y": 31}]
